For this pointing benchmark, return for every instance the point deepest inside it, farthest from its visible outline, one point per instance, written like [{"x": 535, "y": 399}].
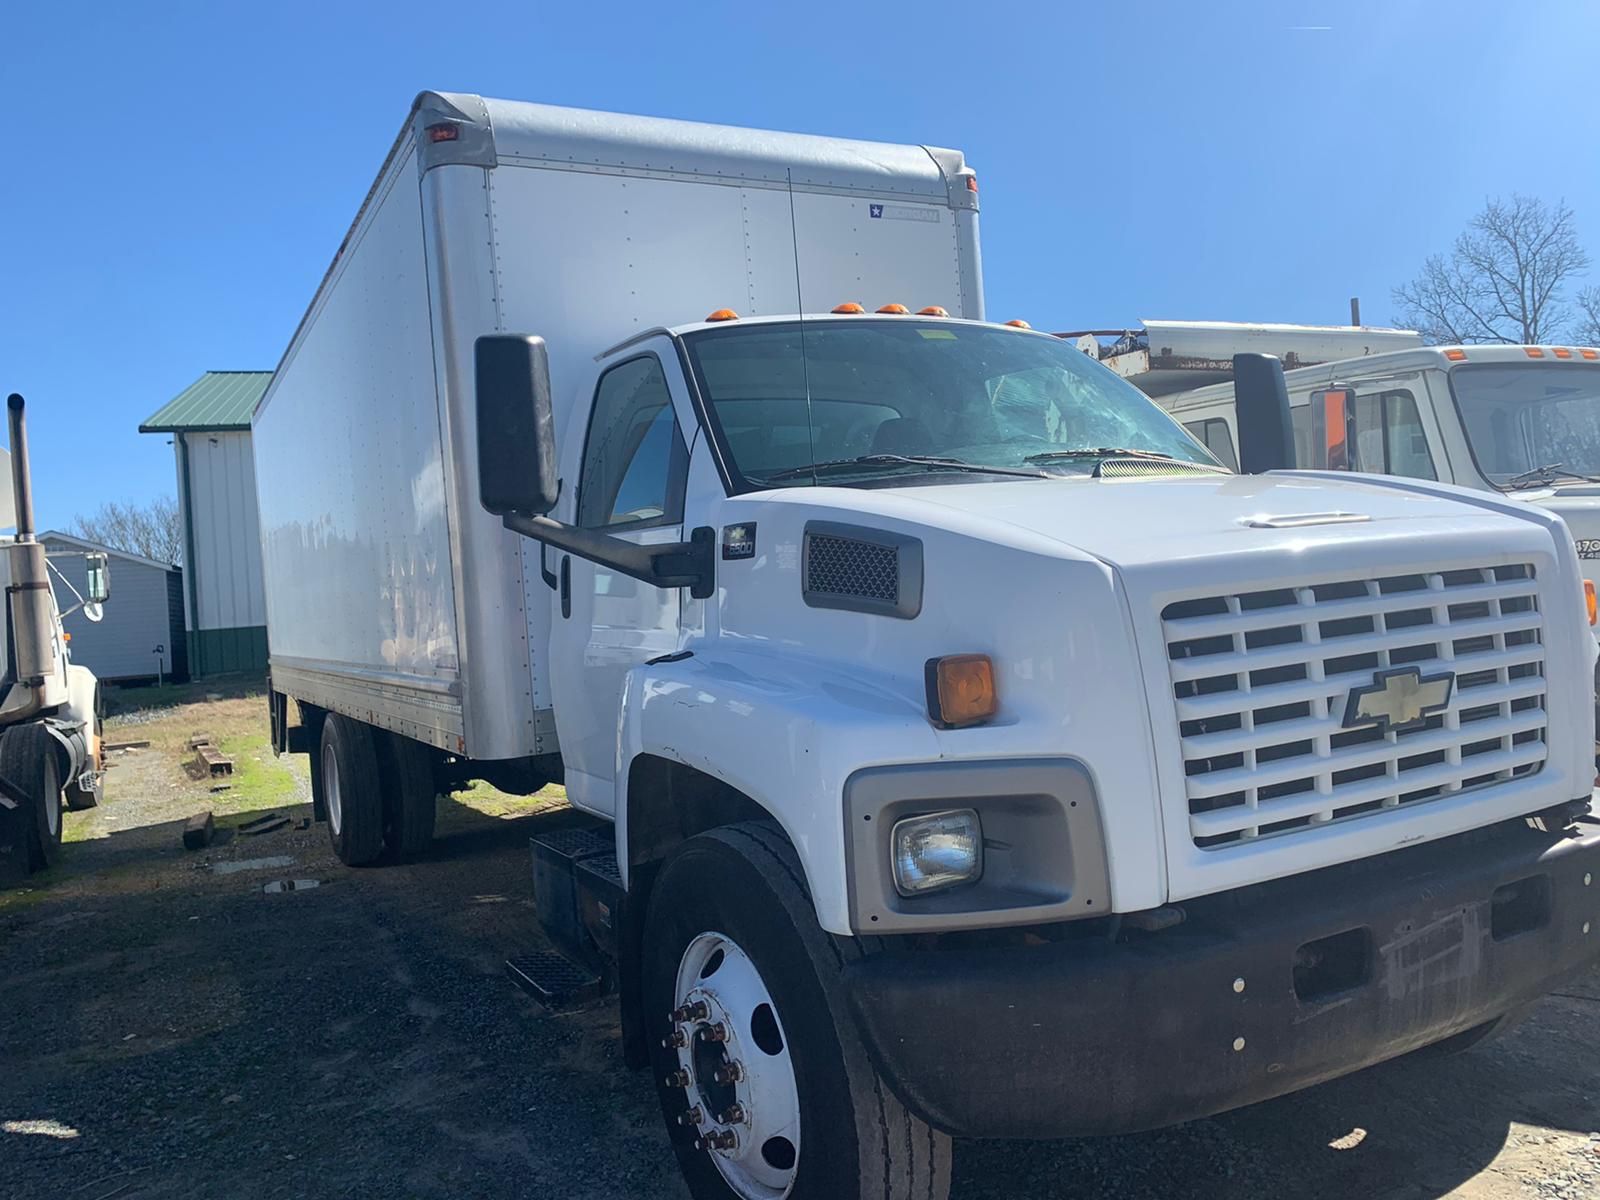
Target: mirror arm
[{"x": 687, "y": 564}]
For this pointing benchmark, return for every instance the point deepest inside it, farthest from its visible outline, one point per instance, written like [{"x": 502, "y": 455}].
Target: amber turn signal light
[
  {"x": 961, "y": 690},
  {"x": 1589, "y": 599}
]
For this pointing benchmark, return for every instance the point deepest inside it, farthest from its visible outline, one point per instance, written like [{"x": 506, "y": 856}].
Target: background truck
[
  {"x": 968, "y": 752},
  {"x": 49, "y": 707},
  {"x": 1521, "y": 421}
]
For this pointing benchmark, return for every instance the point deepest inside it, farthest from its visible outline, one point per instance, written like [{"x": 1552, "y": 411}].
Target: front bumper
[{"x": 1089, "y": 1037}]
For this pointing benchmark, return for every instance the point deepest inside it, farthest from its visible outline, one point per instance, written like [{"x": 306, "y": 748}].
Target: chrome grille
[{"x": 1260, "y": 680}]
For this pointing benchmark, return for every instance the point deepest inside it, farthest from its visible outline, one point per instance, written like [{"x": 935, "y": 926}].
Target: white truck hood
[{"x": 1143, "y": 522}]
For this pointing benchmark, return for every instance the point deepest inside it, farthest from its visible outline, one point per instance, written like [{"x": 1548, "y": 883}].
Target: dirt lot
[{"x": 171, "y": 1029}]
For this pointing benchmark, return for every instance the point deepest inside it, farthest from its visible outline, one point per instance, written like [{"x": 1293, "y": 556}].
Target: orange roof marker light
[
  {"x": 933, "y": 310},
  {"x": 1533, "y": 351},
  {"x": 1590, "y": 354},
  {"x": 1562, "y": 352},
  {"x": 895, "y": 310},
  {"x": 723, "y": 314},
  {"x": 972, "y": 183},
  {"x": 848, "y": 308},
  {"x": 1019, "y": 324},
  {"x": 1456, "y": 355}
]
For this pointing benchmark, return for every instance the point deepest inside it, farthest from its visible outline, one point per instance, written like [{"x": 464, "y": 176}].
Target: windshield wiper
[
  {"x": 1547, "y": 473},
  {"x": 1098, "y": 452},
  {"x": 895, "y": 460},
  {"x": 1119, "y": 452}
]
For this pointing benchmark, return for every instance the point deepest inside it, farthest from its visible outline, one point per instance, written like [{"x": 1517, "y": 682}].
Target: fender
[
  {"x": 785, "y": 735},
  {"x": 1569, "y": 640}
]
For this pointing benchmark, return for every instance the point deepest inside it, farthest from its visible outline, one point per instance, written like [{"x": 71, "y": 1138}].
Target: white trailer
[
  {"x": 50, "y": 752},
  {"x": 970, "y": 753}
]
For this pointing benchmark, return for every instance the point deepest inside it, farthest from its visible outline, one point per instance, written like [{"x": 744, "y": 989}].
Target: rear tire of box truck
[
  {"x": 737, "y": 969},
  {"x": 410, "y": 799},
  {"x": 31, "y": 759},
  {"x": 348, "y": 763}
]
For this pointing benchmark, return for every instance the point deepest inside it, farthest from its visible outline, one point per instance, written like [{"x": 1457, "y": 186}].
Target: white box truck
[{"x": 969, "y": 752}]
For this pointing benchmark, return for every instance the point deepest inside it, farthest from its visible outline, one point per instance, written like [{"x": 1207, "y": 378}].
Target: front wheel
[
  {"x": 30, "y": 759},
  {"x": 764, "y": 1082}
]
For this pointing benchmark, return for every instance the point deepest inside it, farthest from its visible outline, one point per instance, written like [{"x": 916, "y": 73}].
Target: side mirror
[
  {"x": 1332, "y": 428},
  {"x": 516, "y": 427},
  {"x": 1261, "y": 403},
  {"x": 99, "y": 571}
]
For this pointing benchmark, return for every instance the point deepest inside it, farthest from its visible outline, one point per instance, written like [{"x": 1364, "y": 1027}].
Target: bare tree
[
  {"x": 153, "y": 530},
  {"x": 1504, "y": 280},
  {"x": 1588, "y": 331}
]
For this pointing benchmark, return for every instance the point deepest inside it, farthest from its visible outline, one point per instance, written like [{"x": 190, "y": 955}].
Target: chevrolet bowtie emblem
[{"x": 1399, "y": 699}]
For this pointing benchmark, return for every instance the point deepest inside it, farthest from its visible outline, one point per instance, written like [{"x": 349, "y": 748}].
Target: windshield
[
  {"x": 1520, "y": 417},
  {"x": 899, "y": 392}
]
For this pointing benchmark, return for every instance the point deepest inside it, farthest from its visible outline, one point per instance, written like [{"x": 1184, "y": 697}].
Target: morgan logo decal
[{"x": 1400, "y": 699}]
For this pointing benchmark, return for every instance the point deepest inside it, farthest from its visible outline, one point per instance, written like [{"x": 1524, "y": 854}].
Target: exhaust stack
[{"x": 32, "y": 606}]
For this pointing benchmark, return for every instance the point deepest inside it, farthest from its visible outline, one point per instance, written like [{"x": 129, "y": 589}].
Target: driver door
[{"x": 603, "y": 624}]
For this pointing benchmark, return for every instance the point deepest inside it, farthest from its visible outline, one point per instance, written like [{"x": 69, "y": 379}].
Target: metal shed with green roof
[{"x": 224, "y": 604}]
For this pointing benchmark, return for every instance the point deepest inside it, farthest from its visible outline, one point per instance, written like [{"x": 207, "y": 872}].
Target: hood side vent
[{"x": 860, "y": 569}]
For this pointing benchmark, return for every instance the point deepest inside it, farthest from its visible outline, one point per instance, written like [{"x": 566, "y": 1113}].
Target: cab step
[{"x": 554, "y": 980}]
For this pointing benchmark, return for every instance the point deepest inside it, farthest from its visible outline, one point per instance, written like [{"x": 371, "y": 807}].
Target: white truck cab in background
[
  {"x": 968, "y": 752},
  {"x": 1521, "y": 421},
  {"x": 50, "y": 752}
]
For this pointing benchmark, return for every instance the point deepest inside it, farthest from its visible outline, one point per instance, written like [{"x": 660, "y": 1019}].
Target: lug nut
[
  {"x": 734, "y": 1115},
  {"x": 717, "y": 1139},
  {"x": 698, "y": 1011},
  {"x": 694, "y": 1116},
  {"x": 732, "y": 1073},
  {"x": 674, "y": 1040},
  {"x": 678, "y": 1079},
  {"x": 714, "y": 1033}
]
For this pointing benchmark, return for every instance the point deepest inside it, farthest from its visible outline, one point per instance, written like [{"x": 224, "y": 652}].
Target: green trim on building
[{"x": 228, "y": 651}]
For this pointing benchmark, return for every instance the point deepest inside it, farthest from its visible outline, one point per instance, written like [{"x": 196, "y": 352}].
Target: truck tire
[
  {"x": 732, "y": 947},
  {"x": 405, "y": 769},
  {"x": 30, "y": 758},
  {"x": 348, "y": 763}
]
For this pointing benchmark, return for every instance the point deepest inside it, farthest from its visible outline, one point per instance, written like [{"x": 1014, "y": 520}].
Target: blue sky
[{"x": 177, "y": 176}]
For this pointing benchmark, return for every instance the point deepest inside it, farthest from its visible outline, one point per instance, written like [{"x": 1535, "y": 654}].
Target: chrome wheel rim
[
  {"x": 735, "y": 1067},
  {"x": 330, "y": 790}
]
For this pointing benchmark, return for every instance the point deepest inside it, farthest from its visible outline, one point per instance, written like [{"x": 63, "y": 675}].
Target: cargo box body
[{"x": 392, "y": 596}]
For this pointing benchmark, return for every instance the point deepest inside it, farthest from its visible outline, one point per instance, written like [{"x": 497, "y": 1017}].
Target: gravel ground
[{"x": 171, "y": 1030}]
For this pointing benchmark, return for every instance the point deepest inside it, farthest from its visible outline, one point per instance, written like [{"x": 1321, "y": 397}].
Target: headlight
[{"x": 937, "y": 851}]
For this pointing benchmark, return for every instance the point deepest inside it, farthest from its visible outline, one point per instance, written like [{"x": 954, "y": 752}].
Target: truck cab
[{"x": 50, "y": 753}]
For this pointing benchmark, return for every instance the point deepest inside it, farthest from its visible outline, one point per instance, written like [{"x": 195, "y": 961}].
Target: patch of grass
[
  {"x": 492, "y": 802},
  {"x": 259, "y": 780},
  {"x": 122, "y": 700}
]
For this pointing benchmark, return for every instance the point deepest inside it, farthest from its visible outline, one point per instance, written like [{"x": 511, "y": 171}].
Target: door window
[
  {"x": 1213, "y": 431},
  {"x": 1385, "y": 432},
  {"x": 634, "y": 460},
  {"x": 1389, "y": 436}
]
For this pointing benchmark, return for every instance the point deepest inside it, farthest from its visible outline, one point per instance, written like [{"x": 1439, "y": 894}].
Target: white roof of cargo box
[{"x": 578, "y": 138}]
